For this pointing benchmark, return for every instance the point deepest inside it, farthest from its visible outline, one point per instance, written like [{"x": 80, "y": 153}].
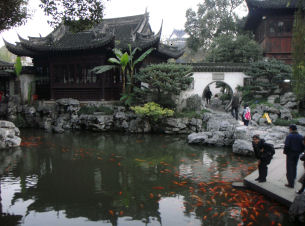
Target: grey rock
[
  {"x": 9, "y": 135},
  {"x": 285, "y": 114},
  {"x": 242, "y": 133},
  {"x": 301, "y": 121},
  {"x": 291, "y": 105},
  {"x": 194, "y": 103},
  {"x": 271, "y": 99},
  {"x": 197, "y": 138},
  {"x": 288, "y": 97},
  {"x": 256, "y": 117},
  {"x": 297, "y": 209},
  {"x": 243, "y": 147}
]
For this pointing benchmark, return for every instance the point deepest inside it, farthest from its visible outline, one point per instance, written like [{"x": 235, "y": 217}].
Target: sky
[{"x": 172, "y": 12}]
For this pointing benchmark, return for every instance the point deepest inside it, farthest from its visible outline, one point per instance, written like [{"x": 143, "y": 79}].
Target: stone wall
[{"x": 64, "y": 115}]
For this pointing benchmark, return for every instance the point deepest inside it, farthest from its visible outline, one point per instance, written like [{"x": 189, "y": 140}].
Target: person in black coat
[
  {"x": 302, "y": 179},
  {"x": 263, "y": 152},
  {"x": 208, "y": 95},
  {"x": 293, "y": 148}
]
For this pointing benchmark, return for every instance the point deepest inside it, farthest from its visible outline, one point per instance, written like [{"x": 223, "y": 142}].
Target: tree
[
  {"x": 266, "y": 77},
  {"x": 160, "y": 81},
  {"x": 78, "y": 14},
  {"x": 213, "y": 18},
  {"x": 239, "y": 49},
  {"x": 298, "y": 43},
  {"x": 13, "y": 13}
]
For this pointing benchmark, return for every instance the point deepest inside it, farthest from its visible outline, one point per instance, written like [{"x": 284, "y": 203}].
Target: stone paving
[{"x": 275, "y": 187}]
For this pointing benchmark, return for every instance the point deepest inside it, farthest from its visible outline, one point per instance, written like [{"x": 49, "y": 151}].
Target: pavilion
[{"x": 63, "y": 59}]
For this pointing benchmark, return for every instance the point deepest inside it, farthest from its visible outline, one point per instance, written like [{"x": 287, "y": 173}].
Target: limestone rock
[
  {"x": 285, "y": 114},
  {"x": 194, "y": 103},
  {"x": 243, "y": 147},
  {"x": 297, "y": 209},
  {"x": 288, "y": 97},
  {"x": 197, "y": 138},
  {"x": 9, "y": 135}
]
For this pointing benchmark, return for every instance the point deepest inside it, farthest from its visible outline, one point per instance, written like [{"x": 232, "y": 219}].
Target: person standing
[
  {"x": 293, "y": 148},
  {"x": 246, "y": 117},
  {"x": 235, "y": 106},
  {"x": 302, "y": 179},
  {"x": 208, "y": 95},
  {"x": 263, "y": 152}
]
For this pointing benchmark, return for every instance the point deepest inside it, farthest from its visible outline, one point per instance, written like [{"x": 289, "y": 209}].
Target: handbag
[{"x": 302, "y": 156}]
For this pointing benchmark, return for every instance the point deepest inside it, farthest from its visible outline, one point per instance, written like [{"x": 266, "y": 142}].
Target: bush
[
  {"x": 266, "y": 77},
  {"x": 20, "y": 122},
  {"x": 88, "y": 110},
  {"x": 160, "y": 81},
  {"x": 152, "y": 111},
  {"x": 283, "y": 122}
]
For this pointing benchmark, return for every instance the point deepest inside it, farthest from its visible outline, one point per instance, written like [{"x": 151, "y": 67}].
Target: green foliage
[
  {"x": 127, "y": 63},
  {"x": 235, "y": 49},
  {"x": 266, "y": 77},
  {"x": 283, "y": 122},
  {"x": 88, "y": 110},
  {"x": 13, "y": 13},
  {"x": 213, "y": 18},
  {"x": 18, "y": 66},
  {"x": 20, "y": 122},
  {"x": 153, "y": 111},
  {"x": 298, "y": 43},
  {"x": 160, "y": 81},
  {"x": 78, "y": 14}
]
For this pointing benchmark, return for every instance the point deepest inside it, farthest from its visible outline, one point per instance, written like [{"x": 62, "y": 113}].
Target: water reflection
[{"x": 115, "y": 179}]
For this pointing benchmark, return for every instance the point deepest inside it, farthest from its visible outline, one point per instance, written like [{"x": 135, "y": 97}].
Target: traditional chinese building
[
  {"x": 272, "y": 23},
  {"x": 63, "y": 59},
  {"x": 6, "y": 77}
]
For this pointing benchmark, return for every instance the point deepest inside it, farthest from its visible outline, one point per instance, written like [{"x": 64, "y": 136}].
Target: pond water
[{"x": 118, "y": 179}]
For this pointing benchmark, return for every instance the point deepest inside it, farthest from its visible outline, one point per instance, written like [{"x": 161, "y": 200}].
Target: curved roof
[
  {"x": 260, "y": 8},
  {"x": 115, "y": 32}
]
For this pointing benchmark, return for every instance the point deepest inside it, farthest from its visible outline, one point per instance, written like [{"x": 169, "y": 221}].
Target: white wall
[
  {"x": 25, "y": 81},
  {"x": 203, "y": 79}
]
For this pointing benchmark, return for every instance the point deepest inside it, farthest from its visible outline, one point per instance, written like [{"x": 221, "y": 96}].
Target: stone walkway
[{"x": 276, "y": 180}]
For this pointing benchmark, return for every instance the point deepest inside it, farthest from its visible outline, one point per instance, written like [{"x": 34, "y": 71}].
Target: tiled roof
[
  {"x": 273, "y": 4},
  {"x": 116, "y": 32},
  {"x": 219, "y": 67}
]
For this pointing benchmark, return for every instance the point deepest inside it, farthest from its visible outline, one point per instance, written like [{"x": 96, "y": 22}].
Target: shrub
[
  {"x": 152, "y": 111},
  {"x": 160, "y": 81},
  {"x": 283, "y": 122},
  {"x": 88, "y": 110}
]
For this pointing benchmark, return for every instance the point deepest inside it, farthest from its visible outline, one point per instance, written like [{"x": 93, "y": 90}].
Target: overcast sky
[{"x": 171, "y": 11}]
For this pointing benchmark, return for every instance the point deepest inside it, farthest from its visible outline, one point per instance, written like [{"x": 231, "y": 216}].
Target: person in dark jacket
[
  {"x": 302, "y": 179},
  {"x": 235, "y": 106},
  {"x": 263, "y": 152},
  {"x": 293, "y": 148},
  {"x": 208, "y": 95}
]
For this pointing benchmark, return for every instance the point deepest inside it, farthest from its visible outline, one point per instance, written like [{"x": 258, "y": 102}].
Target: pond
[{"x": 117, "y": 179}]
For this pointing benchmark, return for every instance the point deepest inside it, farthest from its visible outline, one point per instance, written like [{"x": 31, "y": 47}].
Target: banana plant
[{"x": 127, "y": 65}]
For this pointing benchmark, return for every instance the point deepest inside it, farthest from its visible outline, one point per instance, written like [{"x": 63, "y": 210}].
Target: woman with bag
[{"x": 246, "y": 115}]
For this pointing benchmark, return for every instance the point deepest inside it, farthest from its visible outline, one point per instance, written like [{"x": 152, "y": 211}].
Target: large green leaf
[
  {"x": 114, "y": 61},
  {"x": 142, "y": 57},
  {"x": 18, "y": 66},
  {"x": 118, "y": 53},
  {"x": 124, "y": 59},
  {"x": 102, "y": 69}
]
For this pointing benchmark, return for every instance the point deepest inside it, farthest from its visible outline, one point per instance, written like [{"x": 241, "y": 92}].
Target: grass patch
[
  {"x": 88, "y": 110},
  {"x": 283, "y": 122}
]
